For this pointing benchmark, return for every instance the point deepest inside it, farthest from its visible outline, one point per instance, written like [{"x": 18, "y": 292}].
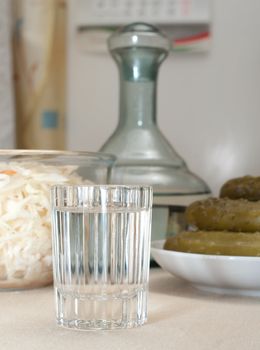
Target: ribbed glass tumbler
[{"x": 101, "y": 252}]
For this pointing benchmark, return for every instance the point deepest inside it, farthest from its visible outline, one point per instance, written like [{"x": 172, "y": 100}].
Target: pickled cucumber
[
  {"x": 223, "y": 214},
  {"x": 216, "y": 243},
  {"x": 247, "y": 187}
]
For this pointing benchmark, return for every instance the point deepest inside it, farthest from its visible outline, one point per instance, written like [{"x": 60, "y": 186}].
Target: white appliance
[{"x": 208, "y": 102}]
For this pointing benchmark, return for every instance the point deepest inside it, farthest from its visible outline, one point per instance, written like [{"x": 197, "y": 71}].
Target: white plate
[{"x": 235, "y": 275}]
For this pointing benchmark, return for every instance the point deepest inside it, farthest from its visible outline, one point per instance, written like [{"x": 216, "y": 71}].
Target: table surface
[{"x": 180, "y": 317}]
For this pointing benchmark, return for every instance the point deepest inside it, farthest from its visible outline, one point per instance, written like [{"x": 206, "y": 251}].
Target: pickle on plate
[
  {"x": 215, "y": 243},
  {"x": 223, "y": 214},
  {"x": 247, "y": 187}
]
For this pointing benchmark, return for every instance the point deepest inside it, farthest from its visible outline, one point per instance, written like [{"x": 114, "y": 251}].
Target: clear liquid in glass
[{"x": 101, "y": 267}]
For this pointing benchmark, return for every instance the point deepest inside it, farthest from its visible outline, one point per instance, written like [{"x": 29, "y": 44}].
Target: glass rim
[
  {"x": 103, "y": 186},
  {"x": 39, "y": 152}
]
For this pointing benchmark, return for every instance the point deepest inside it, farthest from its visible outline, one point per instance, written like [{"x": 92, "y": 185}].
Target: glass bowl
[{"x": 25, "y": 217}]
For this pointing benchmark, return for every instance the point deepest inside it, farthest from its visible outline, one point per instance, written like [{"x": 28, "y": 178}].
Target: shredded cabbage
[{"x": 25, "y": 227}]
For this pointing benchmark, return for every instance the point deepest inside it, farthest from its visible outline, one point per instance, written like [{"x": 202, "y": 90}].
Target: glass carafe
[{"x": 144, "y": 155}]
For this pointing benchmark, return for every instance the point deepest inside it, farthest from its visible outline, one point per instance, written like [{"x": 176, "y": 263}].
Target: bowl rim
[
  {"x": 39, "y": 152},
  {"x": 197, "y": 256}
]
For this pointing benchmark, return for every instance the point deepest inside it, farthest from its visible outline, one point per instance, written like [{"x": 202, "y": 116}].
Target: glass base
[{"x": 102, "y": 312}]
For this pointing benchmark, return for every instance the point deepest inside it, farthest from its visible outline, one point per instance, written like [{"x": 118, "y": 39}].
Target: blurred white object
[
  {"x": 7, "y": 123},
  {"x": 111, "y": 12}
]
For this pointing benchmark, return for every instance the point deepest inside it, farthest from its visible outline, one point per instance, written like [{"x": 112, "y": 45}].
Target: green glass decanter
[{"x": 144, "y": 156}]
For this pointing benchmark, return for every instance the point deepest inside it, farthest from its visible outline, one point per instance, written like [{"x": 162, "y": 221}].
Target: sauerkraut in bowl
[{"x": 25, "y": 219}]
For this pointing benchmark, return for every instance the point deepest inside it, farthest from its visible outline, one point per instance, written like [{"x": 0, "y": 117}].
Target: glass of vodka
[{"x": 101, "y": 251}]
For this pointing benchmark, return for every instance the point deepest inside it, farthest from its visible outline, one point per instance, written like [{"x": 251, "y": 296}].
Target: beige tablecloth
[{"x": 180, "y": 317}]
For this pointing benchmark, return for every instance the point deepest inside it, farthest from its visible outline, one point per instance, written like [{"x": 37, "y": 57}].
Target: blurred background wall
[{"x": 208, "y": 102}]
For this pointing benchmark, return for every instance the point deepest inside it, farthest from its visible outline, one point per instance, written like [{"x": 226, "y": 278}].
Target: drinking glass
[{"x": 101, "y": 251}]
